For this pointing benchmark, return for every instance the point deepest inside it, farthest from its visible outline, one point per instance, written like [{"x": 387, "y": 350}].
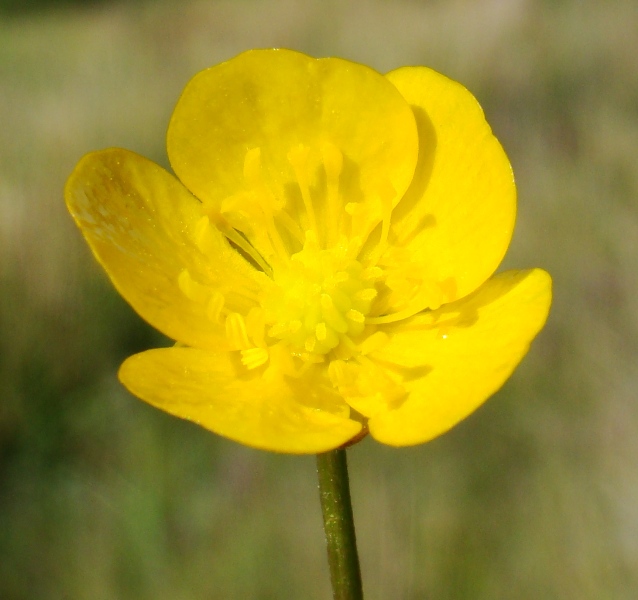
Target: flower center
[{"x": 320, "y": 300}]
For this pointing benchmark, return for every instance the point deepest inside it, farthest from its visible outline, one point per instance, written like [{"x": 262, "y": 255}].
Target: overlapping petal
[
  {"x": 272, "y": 411},
  {"x": 248, "y": 135},
  {"x": 142, "y": 226},
  {"x": 451, "y": 360},
  {"x": 455, "y": 222}
]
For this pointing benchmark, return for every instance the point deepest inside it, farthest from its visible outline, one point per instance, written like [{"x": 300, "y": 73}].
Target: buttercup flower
[{"x": 324, "y": 259}]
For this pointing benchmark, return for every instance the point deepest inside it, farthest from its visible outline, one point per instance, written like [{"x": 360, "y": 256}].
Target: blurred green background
[{"x": 534, "y": 496}]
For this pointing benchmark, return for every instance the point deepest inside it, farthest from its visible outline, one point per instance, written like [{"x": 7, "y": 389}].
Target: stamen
[
  {"x": 371, "y": 273},
  {"x": 310, "y": 344},
  {"x": 353, "y": 246},
  {"x": 356, "y": 316},
  {"x": 332, "y": 315},
  {"x": 309, "y": 358},
  {"x": 266, "y": 202},
  {"x": 291, "y": 225},
  {"x": 254, "y": 357},
  {"x": 311, "y": 242},
  {"x": 320, "y": 301},
  {"x": 366, "y": 295},
  {"x": 352, "y": 208},
  {"x": 275, "y": 238},
  {"x": 387, "y": 194},
  {"x": 236, "y": 331},
  {"x": 342, "y": 375},
  {"x": 298, "y": 158},
  {"x": 341, "y": 277},
  {"x": 346, "y": 348}
]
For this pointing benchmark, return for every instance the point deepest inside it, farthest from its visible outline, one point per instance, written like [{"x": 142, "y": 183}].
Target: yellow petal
[
  {"x": 275, "y": 134},
  {"x": 451, "y": 360},
  {"x": 143, "y": 227},
  {"x": 214, "y": 390},
  {"x": 455, "y": 222}
]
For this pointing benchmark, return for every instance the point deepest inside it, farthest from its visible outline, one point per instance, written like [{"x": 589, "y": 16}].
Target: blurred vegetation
[
  {"x": 22, "y": 7},
  {"x": 534, "y": 496}
]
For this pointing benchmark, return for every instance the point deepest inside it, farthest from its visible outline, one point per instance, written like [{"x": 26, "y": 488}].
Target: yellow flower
[{"x": 324, "y": 262}]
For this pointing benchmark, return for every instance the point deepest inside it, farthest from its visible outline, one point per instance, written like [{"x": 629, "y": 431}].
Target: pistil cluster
[{"x": 320, "y": 301}]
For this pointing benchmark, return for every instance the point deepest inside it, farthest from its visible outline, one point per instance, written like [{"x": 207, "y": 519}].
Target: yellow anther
[
  {"x": 311, "y": 241},
  {"x": 254, "y": 357},
  {"x": 356, "y": 316},
  {"x": 206, "y": 236},
  {"x": 352, "y": 208},
  {"x": 311, "y": 358},
  {"x": 278, "y": 330},
  {"x": 371, "y": 273},
  {"x": 326, "y": 302},
  {"x": 320, "y": 303},
  {"x": 366, "y": 294},
  {"x": 336, "y": 372},
  {"x": 310, "y": 344},
  {"x": 298, "y": 156},
  {"x": 343, "y": 376}
]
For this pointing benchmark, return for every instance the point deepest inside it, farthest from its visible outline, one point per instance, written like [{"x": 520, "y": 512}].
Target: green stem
[{"x": 334, "y": 492}]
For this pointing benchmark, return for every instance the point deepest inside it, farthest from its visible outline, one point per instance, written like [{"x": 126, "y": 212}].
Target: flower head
[{"x": 325, "y": 257}]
